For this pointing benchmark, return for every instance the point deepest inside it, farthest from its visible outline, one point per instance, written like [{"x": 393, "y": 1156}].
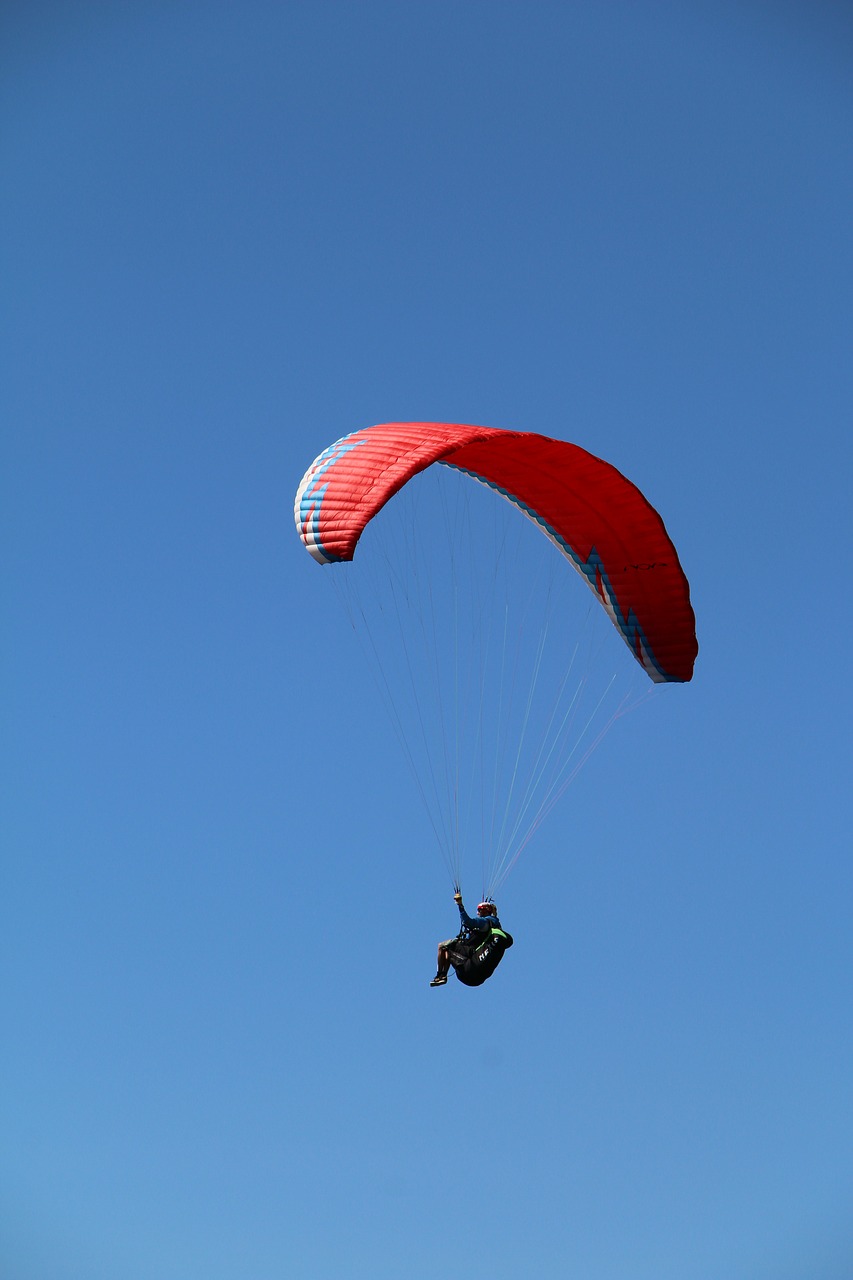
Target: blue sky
[{"x": 229, "y": 235}]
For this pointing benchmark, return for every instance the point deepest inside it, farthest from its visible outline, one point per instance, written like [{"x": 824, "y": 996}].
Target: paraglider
[
  {"x": 477, "y": 949},
  {"x": 499, "y": 712}
]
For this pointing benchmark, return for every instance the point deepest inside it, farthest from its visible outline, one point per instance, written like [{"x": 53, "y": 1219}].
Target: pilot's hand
[{"x": 457, "y": 897}]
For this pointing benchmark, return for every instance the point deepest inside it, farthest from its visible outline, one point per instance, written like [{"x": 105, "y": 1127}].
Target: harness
[{"x": 484, "y": 958}]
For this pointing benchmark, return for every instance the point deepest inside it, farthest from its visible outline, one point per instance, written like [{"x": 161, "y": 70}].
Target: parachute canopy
[{"x": 601, "y": 522}]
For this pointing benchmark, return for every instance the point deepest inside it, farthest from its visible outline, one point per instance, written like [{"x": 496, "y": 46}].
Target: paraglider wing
[{"x": 600, "y": 520}]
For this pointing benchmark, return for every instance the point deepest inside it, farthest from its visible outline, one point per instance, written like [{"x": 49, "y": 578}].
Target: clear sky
[{"x": 231, "y": 233}]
